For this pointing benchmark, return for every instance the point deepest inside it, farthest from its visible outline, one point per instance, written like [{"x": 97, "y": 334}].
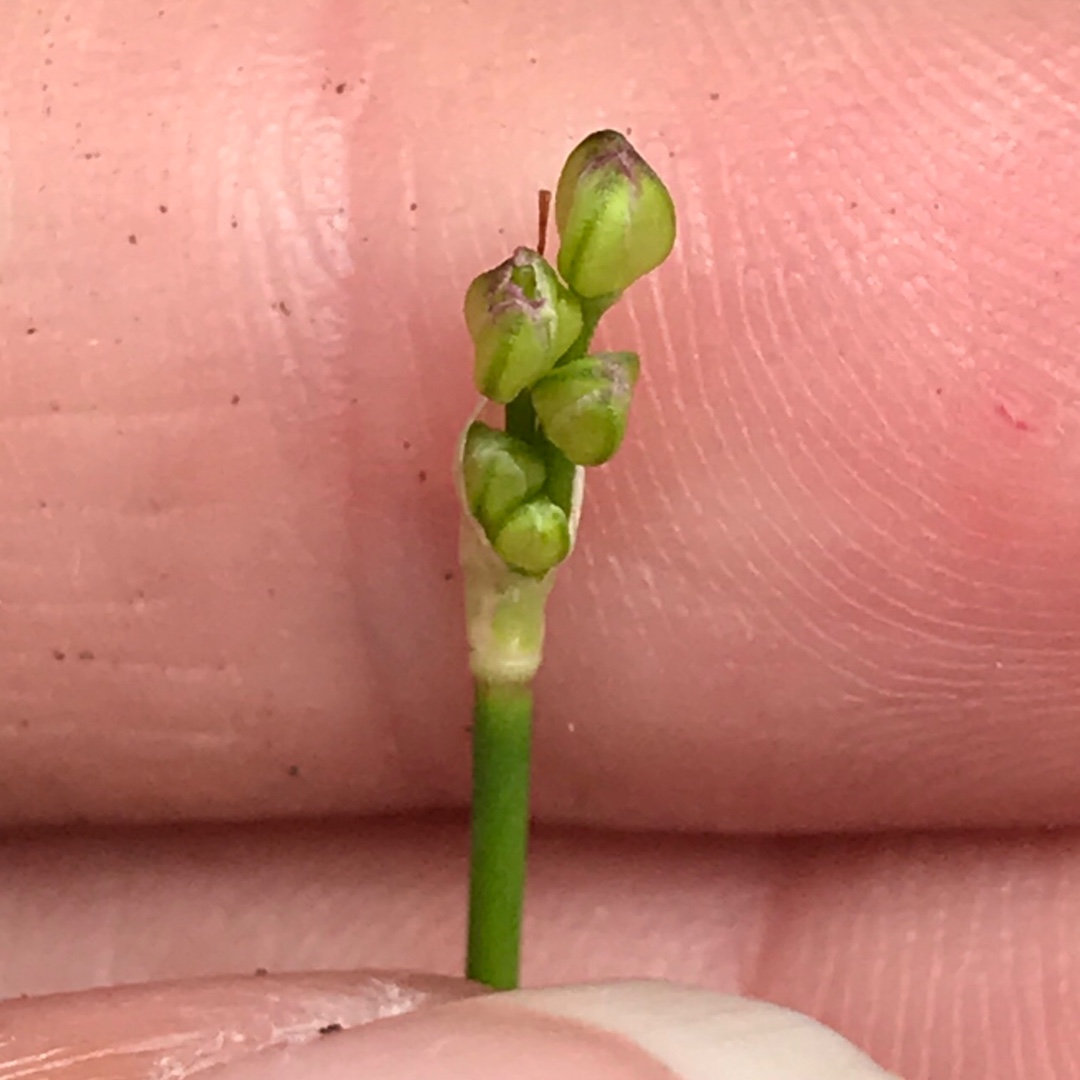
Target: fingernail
[
  {"x": 701, "y": 1035},
  {"x": 616, "y": 1031}
]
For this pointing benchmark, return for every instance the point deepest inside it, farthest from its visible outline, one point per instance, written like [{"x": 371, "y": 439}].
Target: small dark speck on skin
[
  {"x": 939, "y": 390},
  {"x": 892, "y": 209},
  {"x": 422, "y": 476},
  {"x": 714, "y": 96},
  {"x": 59, "y": 654},
  {"x": 132, "y": 238},
  {"x": 412, "y": 206},
  {"x": 330, "y": 1029},
  {"x": 162, "y": 209},
  {"x": 261, "y": 973},
  {"x": 448, "y": 575},
  {"x": 407, "y": 445},
  {"x": 340, "y": 88},
  {"x": 853, "y": 205},
  {"x": 233, "y": 223},
  {"x": 282, "y": 307},
  {"x": 235, "y": 399},
  {"x": 293, "y": 770},
  {"x": 85, "y": 654},
  {"x": 31, "y": 330}
]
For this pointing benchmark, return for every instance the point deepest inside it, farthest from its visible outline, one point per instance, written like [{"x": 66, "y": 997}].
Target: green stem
[
  {"x": 521, "y": 418},
  {"x": 592, "y": 311},
  {"x": 502, "y": 736}
]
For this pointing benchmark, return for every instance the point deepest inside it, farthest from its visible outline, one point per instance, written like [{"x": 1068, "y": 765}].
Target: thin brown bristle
[{"x": 545, "y": 213}]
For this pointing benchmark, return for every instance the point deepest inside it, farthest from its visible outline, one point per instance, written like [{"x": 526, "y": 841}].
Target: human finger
[
  {"x": 629, "y": 1031},
  {"x": 939, "y": 955}
]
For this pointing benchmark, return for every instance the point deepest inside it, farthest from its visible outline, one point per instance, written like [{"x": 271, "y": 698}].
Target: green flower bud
[
  {"x": 522, "y": 319},
  {"x": 499, "y": 474},
  {"x": 583, "y": 405},
  {"x": 535, "y": 537},
  {"x": 616, "y": 219}
]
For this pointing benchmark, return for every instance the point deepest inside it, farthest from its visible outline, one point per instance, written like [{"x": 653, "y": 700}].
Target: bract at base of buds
[
  {"x": 583, "y": 406},
  {"x": 504, "y": 612},
  {"x": 521, "y": 319},
  {"x": 499, "y": 473},
  {"x": 616, "y": 219},
  {"x": 504, "y": 608}
]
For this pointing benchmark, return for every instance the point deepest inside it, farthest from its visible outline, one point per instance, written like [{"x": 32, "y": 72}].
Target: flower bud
[
  {"x": 499, "y": 474},
  {"x": 535, "y": 537},
  {"x": 521, "y": 319},
  {"x": 615, "y": 218},
  {"x": 583, "y": 405}
]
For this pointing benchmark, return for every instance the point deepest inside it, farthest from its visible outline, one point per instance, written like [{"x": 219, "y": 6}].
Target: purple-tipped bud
[
  {"x": 616, "y": 219},
  {"x": 583, "y": 406},
  {"x": 522, "y": 319}
]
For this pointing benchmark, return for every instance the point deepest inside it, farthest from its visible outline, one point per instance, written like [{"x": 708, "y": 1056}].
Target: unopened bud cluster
[
  {"x": 504, "y": 480},
  {"x": 531, "y": 329}
]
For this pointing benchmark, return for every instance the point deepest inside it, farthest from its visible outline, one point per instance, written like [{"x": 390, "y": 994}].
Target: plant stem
[
  {"x": 502, "y": 737},
  {"x": 521, "y": 418},
  {"x": 502, "y": 740},
  {"x": 592, "y": 311}
]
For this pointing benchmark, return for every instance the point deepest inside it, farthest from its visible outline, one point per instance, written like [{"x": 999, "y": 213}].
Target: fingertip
[
  {"x": 615, "y": 1031},
  {"x": 185, "y": 1027}
]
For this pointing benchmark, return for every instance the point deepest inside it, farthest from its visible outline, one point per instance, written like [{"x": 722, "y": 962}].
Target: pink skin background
[{"x": 829, "y": 587}]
